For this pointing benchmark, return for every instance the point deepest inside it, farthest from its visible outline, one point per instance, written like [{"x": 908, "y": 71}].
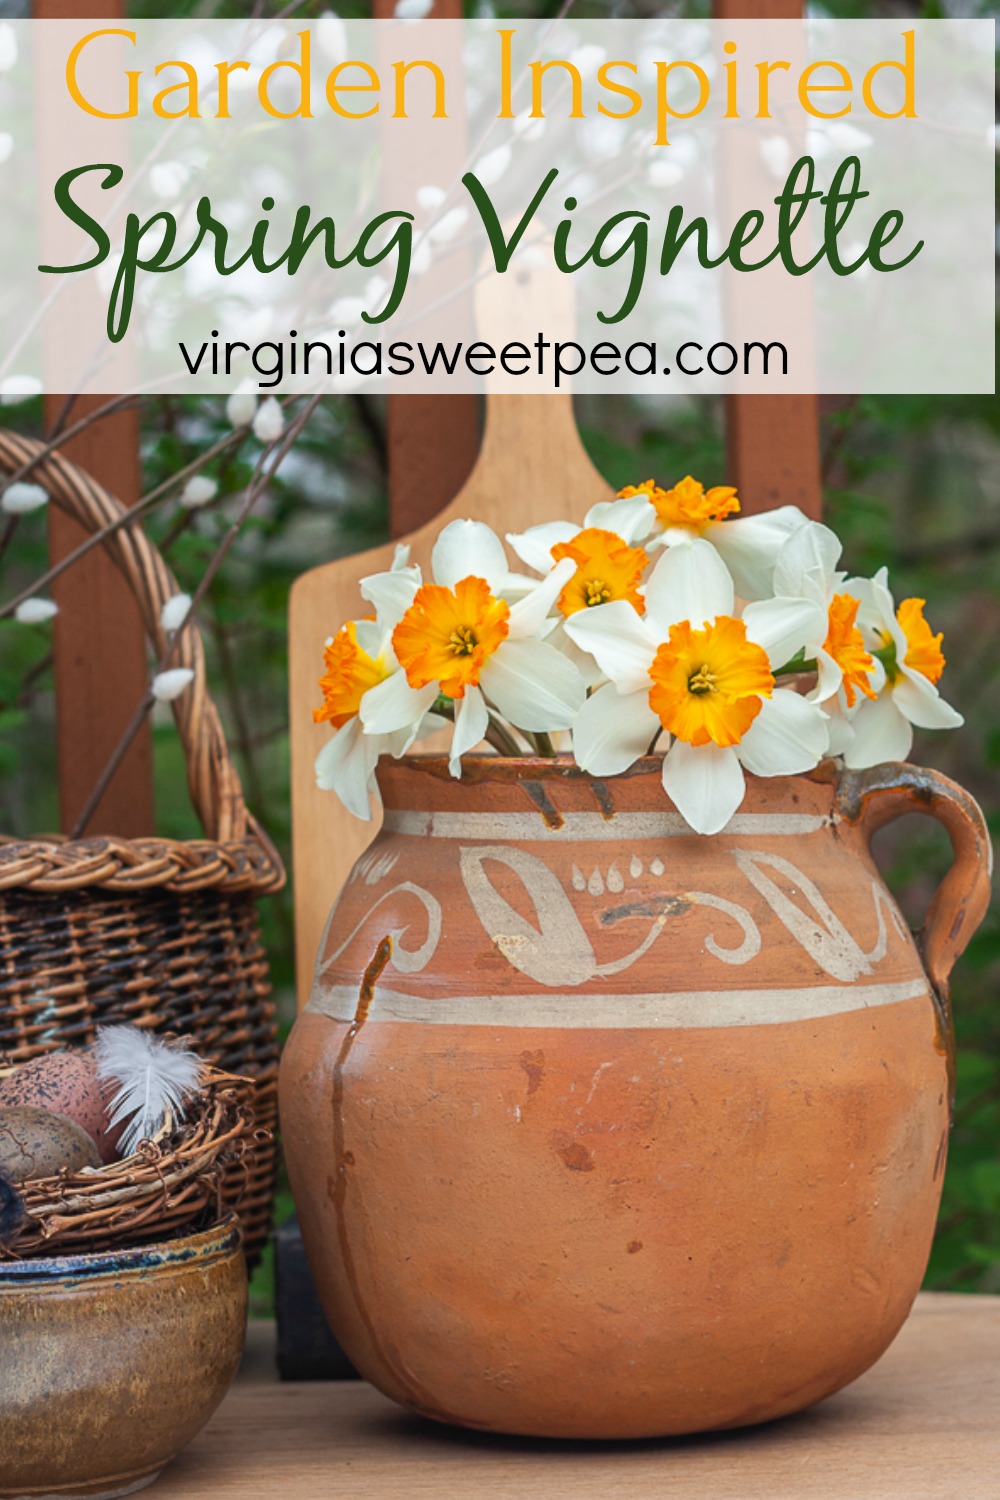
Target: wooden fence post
[
  {"x": 772, "y": 442},
  {"x": 100, "y": 667},
  {"x": 433, "y": 441}
]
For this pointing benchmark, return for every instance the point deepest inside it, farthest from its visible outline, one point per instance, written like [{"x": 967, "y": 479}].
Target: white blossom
[
  {"x": 269, "y": 423},
  {"x": 663, "y": 173},
  {"x": 168, "y": 178},
  {"x": 175, "y": 611},
  {"x": 430, "y": 197},
  {"x": 346, "y": 311},
  {"x": 776, "y": 154},
  {"x": 20, "y": 498},
  {"x": 200, "y": 490},
  {"x": 448, "y": 226},
  {"x": 241, "y": 408},
  {"x": 170, "y": 684},
  {"x": 491, "y": 167},
  {"x": 16, "y": 388},
  {"x": 35, "y": 611},
  {"x": 331, "y": 34}
]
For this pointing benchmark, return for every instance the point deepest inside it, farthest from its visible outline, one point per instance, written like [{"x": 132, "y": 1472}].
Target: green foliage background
[{"x": 913, "y": 482}]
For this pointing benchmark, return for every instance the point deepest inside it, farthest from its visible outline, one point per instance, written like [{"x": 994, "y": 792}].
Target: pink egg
[{"x": 65, "y": 1083}]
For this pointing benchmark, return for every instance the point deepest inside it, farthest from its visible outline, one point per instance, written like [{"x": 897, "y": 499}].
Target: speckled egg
[
  {"x": 66, "y": 1083},
  {"x": 37, "y": 1143}
]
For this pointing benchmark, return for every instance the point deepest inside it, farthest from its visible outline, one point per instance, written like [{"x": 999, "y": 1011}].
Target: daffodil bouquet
[{"x": 666, "y": 623}]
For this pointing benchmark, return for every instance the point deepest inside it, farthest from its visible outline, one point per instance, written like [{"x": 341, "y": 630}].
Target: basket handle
[
  {"x": 212, "y": 780},
  {"x": 869, "y": 799}
]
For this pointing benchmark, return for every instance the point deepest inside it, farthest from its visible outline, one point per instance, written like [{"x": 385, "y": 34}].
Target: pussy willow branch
[
  {"x": 52, "y": 441},
  {"x": 261, "y": 477},
  {"x": 129, "y": 518}
]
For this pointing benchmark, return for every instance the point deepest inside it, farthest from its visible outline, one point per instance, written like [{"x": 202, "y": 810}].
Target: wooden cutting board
[{"x": 532, "y": 467}]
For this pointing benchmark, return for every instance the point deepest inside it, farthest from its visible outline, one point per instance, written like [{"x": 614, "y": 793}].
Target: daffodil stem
[
  {"x": 496, "y": 734},
  {"x": 501, "y": 739},
  {"x": 795, "y": 666},
  {"x": 543, "y": 743},
  {"x": 653, "y": 742}
]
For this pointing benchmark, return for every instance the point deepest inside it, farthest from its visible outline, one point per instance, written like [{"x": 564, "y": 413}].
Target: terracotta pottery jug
[{"x": 599, "y": 1128}]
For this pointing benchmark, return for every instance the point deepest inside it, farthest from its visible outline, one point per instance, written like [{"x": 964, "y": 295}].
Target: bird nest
[{"x": 172, "y": 1184}]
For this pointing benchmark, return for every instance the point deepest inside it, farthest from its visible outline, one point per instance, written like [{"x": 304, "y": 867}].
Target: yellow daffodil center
[
  {"x": 350, "y": 672},
  {"x": 708, "y": 684},
  {"x": 845, "y": 643},
  {"x": 447, "y": 635},
  {"x": 607, "y": 568},
  {"x": 688, "y": 504}
]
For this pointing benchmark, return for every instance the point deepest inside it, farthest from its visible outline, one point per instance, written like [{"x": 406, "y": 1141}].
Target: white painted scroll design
[
  {"x": 406, "y": 960},
  {"x": 552, "y": 947},
  {"x": 750, "y": 946},
  {"x": 827, "y": 940},
  {"x": 555, "y": 950}
]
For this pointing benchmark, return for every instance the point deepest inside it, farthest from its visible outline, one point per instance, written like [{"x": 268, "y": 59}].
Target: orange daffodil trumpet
[
  {"x": 657, "y": 517},
  {"x": 877, "y": 667},
  {"x": 666, "y": 620},
  {"x": 911, "y": 662},
  {"x": 461, "y": 645},
  {"x": 692, "y": 668},
  {"x": 356, "y": 660}
]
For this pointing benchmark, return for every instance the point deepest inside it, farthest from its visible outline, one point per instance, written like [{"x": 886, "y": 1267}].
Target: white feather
[{"x": 154, "y": 1078}]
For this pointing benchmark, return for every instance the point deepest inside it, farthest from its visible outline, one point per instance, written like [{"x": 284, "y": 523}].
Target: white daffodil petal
[
  {"x": 345, "y": 766},
  {"x": 429, "y": 724},
  {"x": 393, "y": 704},
  {"x": 688, "y": 583},
  {"x": 828, "y": 677},
  {"x": 612, "y": 730},
  {"x": 784, "y": 626},
  {"x": 749, "y": 545},
  {"x": 582, "y": 660},
  {"x": 876, "y": 610},
  {"x": 880, "y": 733},
  {"x": 633, "y": 519},
  {"x": 371, "y": 637},
  {"x": 840, "y": 730},
  {"x": 533, "y": 685},
  {"x": 471, "y": 723},
  {"x": 618, "y": 639},
  {"x": 528, "y": 615},
  {"x": 809, "y": 550},
  {"x": 921, "y": 703},
  {"x": 534, "y": 546},
  {"x": 789, "y": 735},
  {"x": 391, "y": 593},
  {"x": 705, "y": 784},
  {"x": 469, "y": 549}
]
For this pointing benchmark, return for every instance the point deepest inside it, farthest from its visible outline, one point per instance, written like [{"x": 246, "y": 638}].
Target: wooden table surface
[{"x": 924, "y": 1422}]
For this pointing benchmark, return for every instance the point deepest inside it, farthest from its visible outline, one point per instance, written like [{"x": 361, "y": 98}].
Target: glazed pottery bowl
[{"x": 112, "y": 1363}]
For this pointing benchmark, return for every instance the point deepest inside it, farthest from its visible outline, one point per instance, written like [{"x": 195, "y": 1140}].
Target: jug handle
[{"x": 871, "y": 798}]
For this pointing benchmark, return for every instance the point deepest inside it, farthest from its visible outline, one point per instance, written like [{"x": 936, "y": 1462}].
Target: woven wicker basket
[
  {"x": 157, "y": 932},
  {"x": 172, "y": 1183}
]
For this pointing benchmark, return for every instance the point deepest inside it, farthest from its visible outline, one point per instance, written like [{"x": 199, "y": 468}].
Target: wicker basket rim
[
  {"x": 52, "y": 863},
  {"x": 212, "y": 780}
]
